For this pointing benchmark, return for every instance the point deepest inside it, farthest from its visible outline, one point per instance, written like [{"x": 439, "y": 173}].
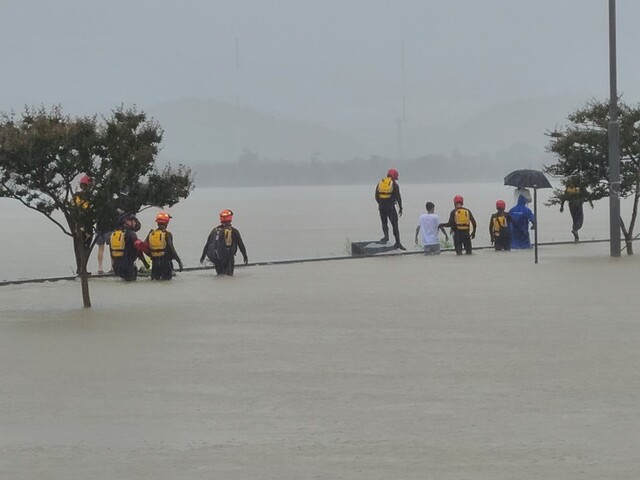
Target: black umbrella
[{"x": 529, "y": 179}]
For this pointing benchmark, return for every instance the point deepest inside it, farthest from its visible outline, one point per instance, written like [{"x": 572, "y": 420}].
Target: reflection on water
[{"x": 280, "y": 223}]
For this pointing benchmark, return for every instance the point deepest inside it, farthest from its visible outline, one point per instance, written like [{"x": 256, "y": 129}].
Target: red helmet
[
  {"x": 458, "y": 199},
  {"x": 163, "y": 217},
  {"x": 393, "y": 173},
  {"x": 500, "y": 205},
  {"x": 226, "y": 216},
  {"x": 86, "y": 180}
]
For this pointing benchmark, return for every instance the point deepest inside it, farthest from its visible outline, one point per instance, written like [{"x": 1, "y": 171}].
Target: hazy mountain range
[{"x": 201, "y": 131}]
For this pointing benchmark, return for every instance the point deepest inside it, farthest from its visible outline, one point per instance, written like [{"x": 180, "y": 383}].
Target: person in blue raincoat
[{"x": 521, "y": 215}]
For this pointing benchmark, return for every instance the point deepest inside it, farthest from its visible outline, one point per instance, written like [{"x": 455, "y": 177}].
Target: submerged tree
[
  {"x": 43, "y": 153},
  {"x": 583, "y": 160}
]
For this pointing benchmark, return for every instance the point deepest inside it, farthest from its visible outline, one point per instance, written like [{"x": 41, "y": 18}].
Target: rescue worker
[
  {"x": 161, "y": 249},
  {"x": 460, "y": 221},
  {"x": 499, "y": 228},
  {"x": 126, "y": 247},
  {"x": 575, "y": 196},
  {"x": 387, "y": 195},
  {"x": 222, "y": 244},
  {"x": 81, "y": 197},
  {"x": 81, "y": 200},
  {"x": 521, "y": 216}
]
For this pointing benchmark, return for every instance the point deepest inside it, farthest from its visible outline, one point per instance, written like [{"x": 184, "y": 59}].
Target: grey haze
[{"x": 301, "y": 79}]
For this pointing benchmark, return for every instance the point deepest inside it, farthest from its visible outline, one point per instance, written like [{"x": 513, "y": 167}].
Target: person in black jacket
[
  {"x": 222, "y": 244},
  {"x": 499, "y": 228},
  {"x": 81, "y": 200},
  {"x": 575, "y": 196},
  {"x": 387, "y": 195},
  {"x": 126, "y": 247},
  {"x": 162, "y": 250},
  {"x": 463, "y": 226}
]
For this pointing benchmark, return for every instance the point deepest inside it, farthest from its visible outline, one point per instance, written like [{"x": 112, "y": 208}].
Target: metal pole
[
  {"x": 535, "y": 214},
  {"x": 614, "y": 139},
  {"x": 238, "y": 114}
]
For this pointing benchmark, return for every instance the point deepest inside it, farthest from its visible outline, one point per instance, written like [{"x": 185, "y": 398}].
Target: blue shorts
[{"x": 103, "y": 238}]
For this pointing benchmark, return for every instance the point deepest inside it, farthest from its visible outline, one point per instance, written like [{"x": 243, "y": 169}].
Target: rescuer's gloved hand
[
  {"x": 246, "y": 260},
  {"x": 180, "y": 266},
  {"x": 400, "y": 213},
  {"x": 473, "y": 235},
  {"x": 201, "y": 259}
]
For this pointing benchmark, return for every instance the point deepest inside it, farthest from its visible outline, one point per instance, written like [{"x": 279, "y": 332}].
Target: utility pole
[
  {"x": 238, "y": 116},
  {"x": 404, "y": 99},
  {"x": 614, "y": 139}
]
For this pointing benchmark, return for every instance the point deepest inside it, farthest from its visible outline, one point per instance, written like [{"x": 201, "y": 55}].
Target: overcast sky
[{"x": 330, "y": 61}]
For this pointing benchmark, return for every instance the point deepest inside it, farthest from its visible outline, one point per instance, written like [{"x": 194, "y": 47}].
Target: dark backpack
[{"x": 220, "y": 249}]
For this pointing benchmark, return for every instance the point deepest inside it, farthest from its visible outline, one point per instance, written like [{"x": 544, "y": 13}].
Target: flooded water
[
  {"x": 481, "y": 367},
  {"x": 279, "y": 223},
  {"x": 322, "y": 370}
]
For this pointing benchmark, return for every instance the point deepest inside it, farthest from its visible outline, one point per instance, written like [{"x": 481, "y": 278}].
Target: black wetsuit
[
  {"x": 162, "y": 266},
  {"x": 502, "y": 238},
  {"x": 576, "y": 197},
  {"x": 461, "y": 233},
  {"x": 224, "y": 264},
  {"x": 124, "y": 266},
  {"x": 577, "y": 214},
  {"x": 388, "y": 213},
  {"x": 80, "y": 199}
]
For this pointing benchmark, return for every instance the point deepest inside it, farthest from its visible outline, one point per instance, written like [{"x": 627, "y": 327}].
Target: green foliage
[
  {"x": 582, "y": 151},
  {"x": 582, "y": 148},
  {"x": 42, "y": 154}
]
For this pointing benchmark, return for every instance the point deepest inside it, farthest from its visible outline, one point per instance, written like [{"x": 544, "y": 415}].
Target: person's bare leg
[{"x": 100, "y": 258}]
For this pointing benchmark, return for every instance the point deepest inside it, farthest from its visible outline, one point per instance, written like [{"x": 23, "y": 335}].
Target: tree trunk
[
  {"x": 84, "y": 282},
  {"x": 82, "y": 257},
  {"x": 628, "y": 234},
  {"x": 628, "y": 241}
]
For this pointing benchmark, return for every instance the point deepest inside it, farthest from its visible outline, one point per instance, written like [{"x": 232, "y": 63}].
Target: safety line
[{"x": 282, "y": 262}]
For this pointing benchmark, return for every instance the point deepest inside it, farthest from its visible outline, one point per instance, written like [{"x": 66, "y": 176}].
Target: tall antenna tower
[{"x": 403, "y": 118}]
